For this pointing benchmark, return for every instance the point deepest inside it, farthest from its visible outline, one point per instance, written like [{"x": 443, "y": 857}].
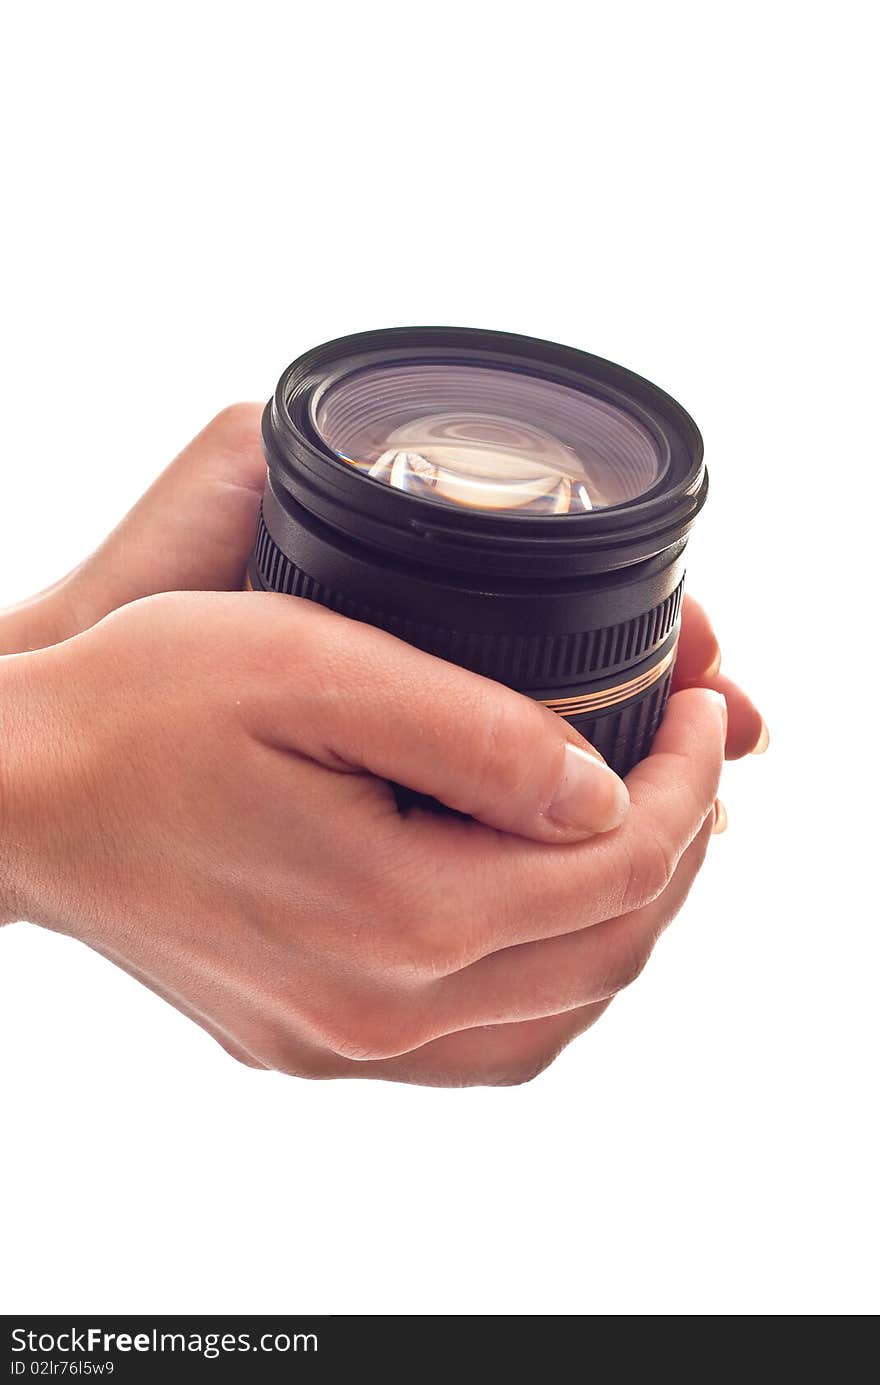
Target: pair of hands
[{"x": 193, "y": 782}]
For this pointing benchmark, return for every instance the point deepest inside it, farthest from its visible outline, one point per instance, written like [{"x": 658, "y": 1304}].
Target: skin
[{"x": 194, "y": 784}]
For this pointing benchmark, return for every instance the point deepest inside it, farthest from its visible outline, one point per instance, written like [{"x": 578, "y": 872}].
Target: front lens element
[{"x": 487, "y": 439}]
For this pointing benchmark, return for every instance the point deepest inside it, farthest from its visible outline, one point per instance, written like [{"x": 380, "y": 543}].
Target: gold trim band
[{"x": 610, "y": 697}]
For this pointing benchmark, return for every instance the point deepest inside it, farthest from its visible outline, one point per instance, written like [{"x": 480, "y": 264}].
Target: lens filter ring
[{"x": 424, "y": 529}]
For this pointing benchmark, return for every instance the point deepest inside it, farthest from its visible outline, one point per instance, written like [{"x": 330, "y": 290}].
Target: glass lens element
[{"x": 480, "y": 438}]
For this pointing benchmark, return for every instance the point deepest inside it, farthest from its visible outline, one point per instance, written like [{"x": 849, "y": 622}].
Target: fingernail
[
  {"x": 720, "y": 702},
  {"x": 589, "y": 796},
  {"x": 763, "y": 740},
  {"x": 720, "y": 824}
]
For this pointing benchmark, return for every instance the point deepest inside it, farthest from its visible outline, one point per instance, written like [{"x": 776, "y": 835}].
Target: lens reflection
[{"x": 487, "y": 439}]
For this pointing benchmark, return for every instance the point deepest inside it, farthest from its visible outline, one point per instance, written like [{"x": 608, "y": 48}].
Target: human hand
[
  {"x": 193, "y": 531},
  {"x": 698, "y": 665},
  {"x": 195, "y": 787}
]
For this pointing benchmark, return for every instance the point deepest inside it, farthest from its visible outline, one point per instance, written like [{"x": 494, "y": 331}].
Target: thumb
[
  {"x": 355, "y": 698},
  {"x": 191, "y": 531}
]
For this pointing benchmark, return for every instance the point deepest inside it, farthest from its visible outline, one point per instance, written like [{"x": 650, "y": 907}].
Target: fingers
[
  {"x": 493, "y": 892},
  {"x": 355, "y": 698},
  {"x": 193, "y": 529},
  {"x": 505, "y": 1019},
  {"x": 500, "y": 1055},
  {"x": 747, "y": 733},
  {"x": 697, "y": 665},
  {"x": 698, "y": 650},
  {"x": 564, "y": 973},
  {"x": 684, "y": 767}
]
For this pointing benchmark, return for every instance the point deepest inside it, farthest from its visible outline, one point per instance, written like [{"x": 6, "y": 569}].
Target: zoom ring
[{"x": 521, "y": 661}]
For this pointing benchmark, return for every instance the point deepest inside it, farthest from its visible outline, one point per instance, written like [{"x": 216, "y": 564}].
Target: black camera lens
[{"x": 517, "y": 507}]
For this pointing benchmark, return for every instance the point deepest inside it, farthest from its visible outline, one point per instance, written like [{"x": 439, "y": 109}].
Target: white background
[{"x": 195, "y": 194}]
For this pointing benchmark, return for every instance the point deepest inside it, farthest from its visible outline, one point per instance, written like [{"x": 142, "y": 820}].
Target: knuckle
[
  {"x": 315, "y": 1067},
  {"x": 502, "y": 765},
  {"x": 512, "y": 1066},
  {"x": 426, "y": 937},
  {"x": 525, "y": 1064},
  {"x": 426, "y": 948},
  {"x": 288, "y": 1067},
  {"x": 371, "y": 1033},
  {"x": 526, "y": 1069},
  {"x": 415, "y": 933},
  {"x": 246, "y": 1060},
  {"x": 279, "y": 1054},
  {"x": 650, "y": 865},
  {"x": 625, "y": 966},
  {"x": 420, "y": 956}
]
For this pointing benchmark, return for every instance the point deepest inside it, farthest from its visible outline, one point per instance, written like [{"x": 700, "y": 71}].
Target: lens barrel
[{"x": 579, "y": 610}]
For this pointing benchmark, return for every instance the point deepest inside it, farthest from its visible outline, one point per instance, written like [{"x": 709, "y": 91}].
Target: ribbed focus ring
[
  {"x": 522, "y": 661},
  {"x": 623, "y": 736}
]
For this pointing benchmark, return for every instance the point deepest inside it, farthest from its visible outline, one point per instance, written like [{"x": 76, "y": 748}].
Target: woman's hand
[
  {"x": 193, "y": 531},
  {"x": 698, "y": 665},
  {"x": 196, "y": 788}
]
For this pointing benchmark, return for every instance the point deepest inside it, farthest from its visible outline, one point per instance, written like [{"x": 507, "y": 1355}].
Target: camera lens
[
  {"x": 518, "y": 507},
  {"x": 487, "y": 439}
]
